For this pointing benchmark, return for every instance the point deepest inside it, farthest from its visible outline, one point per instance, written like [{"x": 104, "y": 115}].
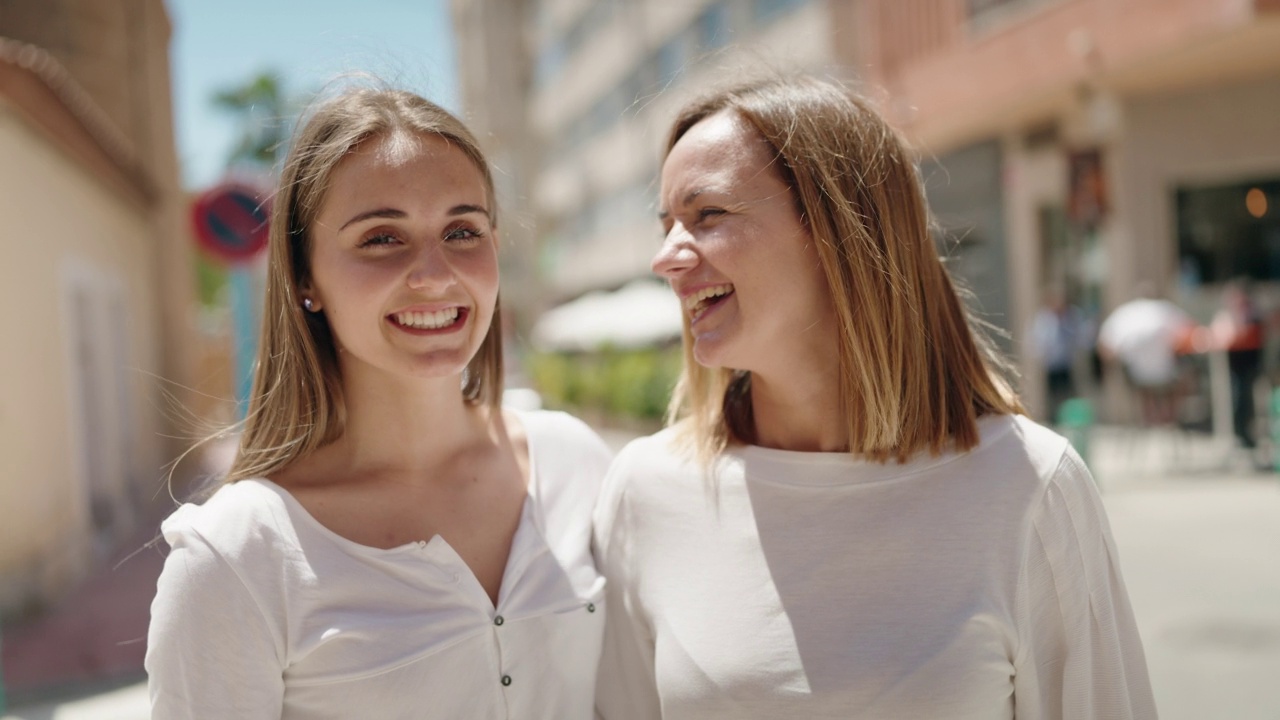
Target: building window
[
  {"x": 550, "y": 60},
  {"x": 985, "y": 12},
  {"x": 673, "y": 57},
  {"x": 1229, "y": 231},
  {"x": 713, "y": 26},
  {"x": 764, "y": 11}
]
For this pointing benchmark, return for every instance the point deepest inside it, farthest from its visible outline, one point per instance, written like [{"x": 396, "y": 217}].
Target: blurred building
[
  {"x": 95, "y": 284},
  {"x": 1085, "y": 145}
]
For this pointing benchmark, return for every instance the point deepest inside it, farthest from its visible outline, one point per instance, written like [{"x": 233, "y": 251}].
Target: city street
[{"x": 1198, "y": 548}]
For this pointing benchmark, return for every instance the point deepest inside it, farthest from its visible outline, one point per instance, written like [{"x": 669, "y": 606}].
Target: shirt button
[
  {"x": 498, "y": 620},
  {"x": 591, "y": 607},
  {"x": 506, "y": 680}
]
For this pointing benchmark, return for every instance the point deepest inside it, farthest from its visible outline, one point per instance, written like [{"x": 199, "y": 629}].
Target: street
[{"x": 1198, "y": 539}]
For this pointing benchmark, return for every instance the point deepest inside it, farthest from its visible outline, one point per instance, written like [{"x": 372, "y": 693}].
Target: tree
[{"x": 260, "y": 107}]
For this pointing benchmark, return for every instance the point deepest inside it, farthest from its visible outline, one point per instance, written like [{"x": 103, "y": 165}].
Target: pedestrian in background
[
  {"x": 1237, "y": 328},
  {"x": 1143, "y": 335},
  {"x": 389, "y": 542},
  {"x": 1057, "y": 335},
  {"x": 849, "y": 515}
]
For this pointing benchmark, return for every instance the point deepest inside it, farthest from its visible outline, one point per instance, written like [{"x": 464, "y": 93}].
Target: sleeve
[
  {"x": 1079, "y": 656},
  {"x": 626, "y": 688},
  {"x": 211, "y": 652}
]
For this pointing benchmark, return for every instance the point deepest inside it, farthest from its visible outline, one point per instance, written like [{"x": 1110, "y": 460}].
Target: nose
[
  {"x": 431, "y": 269},
  {"x": 676, "y": 256}
]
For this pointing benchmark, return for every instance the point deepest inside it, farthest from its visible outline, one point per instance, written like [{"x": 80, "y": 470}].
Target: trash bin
[{"x": 1075, "y": 422}]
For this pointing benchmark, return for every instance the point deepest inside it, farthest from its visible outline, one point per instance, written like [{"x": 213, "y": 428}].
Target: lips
[
  {"x": 427, "y": 320},
  {"x": 423, "y": 322},
  {"x": 698, "y": 303}
]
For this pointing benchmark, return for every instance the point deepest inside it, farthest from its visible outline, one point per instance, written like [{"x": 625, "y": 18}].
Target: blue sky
[{"x": 221, "y": 44}]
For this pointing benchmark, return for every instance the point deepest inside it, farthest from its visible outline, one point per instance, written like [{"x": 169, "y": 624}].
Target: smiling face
[
  {"x": 403, "y": 257},
  {"x": 737, "y": 253}
]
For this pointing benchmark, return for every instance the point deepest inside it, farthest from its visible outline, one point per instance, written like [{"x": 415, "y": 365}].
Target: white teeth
[
  {"x": 707, "y": 293},
  {"x": 426, "y": 320}
]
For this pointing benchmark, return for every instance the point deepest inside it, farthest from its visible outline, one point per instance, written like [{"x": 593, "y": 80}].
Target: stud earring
[{"x": 308, "y": 304}]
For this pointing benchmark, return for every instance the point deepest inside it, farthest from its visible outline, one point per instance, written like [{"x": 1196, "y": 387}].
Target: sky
[{"x": 219, "y": 45}]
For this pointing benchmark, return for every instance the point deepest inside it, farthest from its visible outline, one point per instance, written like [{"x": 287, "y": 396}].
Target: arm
[
  {"x": 1079, "y": 655},
  {"x": 626, "y": 686},
  {"x": 211, "y": 653}
]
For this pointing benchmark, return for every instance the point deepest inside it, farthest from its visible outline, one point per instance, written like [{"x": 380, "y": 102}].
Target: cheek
[{"x": 481, "y": 270}]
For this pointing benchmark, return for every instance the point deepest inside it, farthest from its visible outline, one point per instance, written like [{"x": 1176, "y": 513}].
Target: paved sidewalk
[{"x": 96, "y": 635}]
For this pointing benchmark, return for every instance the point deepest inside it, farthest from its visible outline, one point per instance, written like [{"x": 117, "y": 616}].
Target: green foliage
[
  {"x": 618, "y": 384},
  {"x": 211, "y": 278},
  {"x": 259, "y": 106}
]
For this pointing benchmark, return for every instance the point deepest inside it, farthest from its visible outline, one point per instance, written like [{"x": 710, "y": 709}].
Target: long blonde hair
[
  {"x": 297, "y": 403},
  {"x": 916, "y": 370}
]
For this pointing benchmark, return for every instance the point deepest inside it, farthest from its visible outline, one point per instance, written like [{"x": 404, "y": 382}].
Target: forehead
[
  {"x": 722, "y": 148},
  {"x": 401, "y": 151},
  {"x": 402, "y": 162}
]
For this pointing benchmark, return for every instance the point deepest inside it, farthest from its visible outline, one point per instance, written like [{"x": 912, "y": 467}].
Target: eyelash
[
  {"x": 373, "y": 240},
  {"x": 471, "y": 235},
  {"x": 464, "y": 235},
  {"x": 703, "y": 214}
]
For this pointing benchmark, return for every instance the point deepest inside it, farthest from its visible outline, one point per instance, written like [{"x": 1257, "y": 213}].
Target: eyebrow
[
  {"x": 394, "y": 214},
  {"x": 688, "y": 198}
]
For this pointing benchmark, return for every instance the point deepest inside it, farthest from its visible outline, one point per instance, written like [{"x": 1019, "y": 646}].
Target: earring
[{"x": 308, "y": 304}]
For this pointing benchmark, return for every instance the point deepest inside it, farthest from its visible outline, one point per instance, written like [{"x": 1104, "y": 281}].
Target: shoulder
[
  {"x": 645, "y": 471},
  {"x": 246, "y": 521},
  {"x": 1006, "y": 476},
  {"x": 555, "y": 434},
  {"x": 569, "y": 458},
  {"x": 1064, "y": 506}
]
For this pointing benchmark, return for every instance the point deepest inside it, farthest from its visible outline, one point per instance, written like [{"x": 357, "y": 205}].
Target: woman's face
[
  {"x": 404, "y": 259},
  {"x": 736, "y": 252}
]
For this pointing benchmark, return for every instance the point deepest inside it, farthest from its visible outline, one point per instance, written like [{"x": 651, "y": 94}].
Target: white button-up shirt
[{"x": 262, "y": 612}]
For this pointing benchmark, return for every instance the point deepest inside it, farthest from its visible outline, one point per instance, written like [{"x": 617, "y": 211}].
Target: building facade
[
  {"x": 1083, "y": 146},
  {"x": 95, "y": 282}
]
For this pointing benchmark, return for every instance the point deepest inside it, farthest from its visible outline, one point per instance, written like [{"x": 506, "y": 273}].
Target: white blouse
[
  {"x": 967, "y": 586},
  {"x": 262, "y": 612}
]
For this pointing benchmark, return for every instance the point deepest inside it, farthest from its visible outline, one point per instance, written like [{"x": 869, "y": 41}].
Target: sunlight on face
[
  {"x": 737, "y": 253},
  {"x": 404, "y": 259}
]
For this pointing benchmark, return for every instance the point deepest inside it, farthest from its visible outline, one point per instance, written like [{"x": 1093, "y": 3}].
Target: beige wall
[{"x": 63, "y": 229}]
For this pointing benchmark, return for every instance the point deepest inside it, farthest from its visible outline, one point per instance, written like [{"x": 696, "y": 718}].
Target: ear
[{"x": 307, "y": 292}]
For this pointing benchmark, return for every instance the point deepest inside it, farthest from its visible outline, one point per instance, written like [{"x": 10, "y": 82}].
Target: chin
[{"x": 710, "y": 354}]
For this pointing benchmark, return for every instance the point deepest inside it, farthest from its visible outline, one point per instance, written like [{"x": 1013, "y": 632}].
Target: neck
[
  {"x": 406, "y": 426},
  {"x": 800, "y": 410}
]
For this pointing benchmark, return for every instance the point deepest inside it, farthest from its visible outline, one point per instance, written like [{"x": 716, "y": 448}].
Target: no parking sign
[{"x": 231, "y": 221}]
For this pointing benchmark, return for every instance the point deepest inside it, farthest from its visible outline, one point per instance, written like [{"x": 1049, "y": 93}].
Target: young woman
[
  {"x": 389, "y": 542},
  {"x": 849, "y": 515}
]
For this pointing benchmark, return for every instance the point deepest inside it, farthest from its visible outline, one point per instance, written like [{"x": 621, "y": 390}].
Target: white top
[
  {"x": 262, "y": 612},
  {"x": 814, "y": 585}
]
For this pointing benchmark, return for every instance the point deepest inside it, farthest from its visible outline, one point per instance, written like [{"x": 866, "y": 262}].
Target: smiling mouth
[
  {"x": 700, "y": 302},
  {"x": 439, "y": 320}
]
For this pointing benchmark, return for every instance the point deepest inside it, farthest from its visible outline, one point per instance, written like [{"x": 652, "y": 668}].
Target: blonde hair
[
  {"x": 916, "y": 370},
  {"x": 296, "y": 405}
]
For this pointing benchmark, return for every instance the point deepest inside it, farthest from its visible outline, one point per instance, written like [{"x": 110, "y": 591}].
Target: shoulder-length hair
[
  {"x": 916, "y": 369},
  {"x": 297, "y": 402}
]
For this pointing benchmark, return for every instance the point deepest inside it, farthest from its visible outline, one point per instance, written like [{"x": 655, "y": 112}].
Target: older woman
[{"x": 849, "y": 515}]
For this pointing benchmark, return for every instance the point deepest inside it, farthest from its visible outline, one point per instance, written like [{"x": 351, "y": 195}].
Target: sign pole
[{"x": 244, "y": 333}]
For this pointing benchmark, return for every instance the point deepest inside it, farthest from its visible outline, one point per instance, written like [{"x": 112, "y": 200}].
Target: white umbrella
[
  {"x": 641, "y": 314},
  {"x": 1142, "y": 333}
]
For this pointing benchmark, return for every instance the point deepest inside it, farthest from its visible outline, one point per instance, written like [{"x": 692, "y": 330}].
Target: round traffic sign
[{"x": 231, "y": 221}]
